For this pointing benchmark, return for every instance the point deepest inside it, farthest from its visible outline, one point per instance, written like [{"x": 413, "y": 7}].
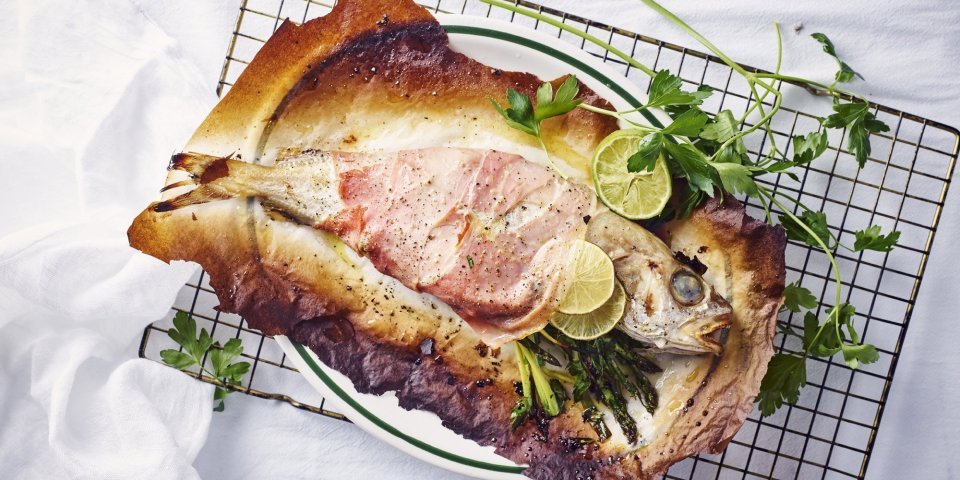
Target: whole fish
[{"x": 488, "y": 233}]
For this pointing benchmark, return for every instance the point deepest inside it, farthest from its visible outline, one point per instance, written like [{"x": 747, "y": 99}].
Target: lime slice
[
  {"x": 592, "y": 279},
  {"x": 591, "y": 325},
  {"x": 636, "y": 196}
]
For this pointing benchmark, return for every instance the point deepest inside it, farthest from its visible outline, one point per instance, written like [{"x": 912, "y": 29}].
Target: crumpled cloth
[{"x": 96, "y": 95}]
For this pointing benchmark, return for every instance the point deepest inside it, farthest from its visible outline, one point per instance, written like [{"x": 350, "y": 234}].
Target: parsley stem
[
  {"x": 618, "y": 115},
  {"x": 803, "y": 206},
  {"x": 766, "y": 208},
  {"x": 750, "y": 77},
  {"x": 835, "y": 311},
  {"x": 696, "y": 35},
  {"x": 823, "y": 89},
  {"x": 760, "y": 98},
  {"x": 766, "y": 125},
  {"x": 823, "y": 246},
  {"x": 776, "y": 28},
  {"x": 216, "y": 380},
  {"x": 778, "y": 98},
  {"x": 567, "y": 28},
  {"x": 550, "y": 158}
]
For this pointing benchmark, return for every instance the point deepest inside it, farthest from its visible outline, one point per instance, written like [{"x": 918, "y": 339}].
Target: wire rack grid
[{"x": 830, "y": 431}]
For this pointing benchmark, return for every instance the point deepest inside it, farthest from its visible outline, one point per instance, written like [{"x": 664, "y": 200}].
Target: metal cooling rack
[{"x": 830, "y": 432}]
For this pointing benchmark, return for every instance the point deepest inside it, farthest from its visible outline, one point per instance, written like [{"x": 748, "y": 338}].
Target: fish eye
[{"x": 686, "y": 287}]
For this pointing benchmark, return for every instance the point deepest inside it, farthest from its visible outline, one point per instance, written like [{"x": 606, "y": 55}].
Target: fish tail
[
  {"x": 219, "y": 178},
  {"x": 201, "y": 194}
]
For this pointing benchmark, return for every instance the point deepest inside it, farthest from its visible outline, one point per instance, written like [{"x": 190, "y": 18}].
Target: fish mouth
[
  {"x": 702, "y": 333},
  {"x": 709, "y": 336},
  {"x": 709, "y": 330}
]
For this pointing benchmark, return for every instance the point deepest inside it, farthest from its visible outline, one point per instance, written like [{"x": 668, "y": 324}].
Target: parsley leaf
[
  {"x": 828, "y": 339},
  {"x": 871, "y": 239},
  {"x": 845, "y": 73},
  {"x": 178, "y": 360},
  {"x": 809, "y": 147},
  {"x": 522, "y": 114},
  {"x": 796, "y": 297},
  {"x": 786, "y": 375},
  {"x": 665, "y": 90},
  {"x": 832, "y": 339},
  {"x": 564, "y": 101},
  {"x": 676, "y": 110},
  {"x": 736, "y": 178},
  {"x": 687, "y": 124},
  {"x": 648, "y": 151},
  {"x": 865, "y": 353},
  {"x": 722, "y": 128},
  {"x": 860, "y": 123},
  {"x": 816, "y": 221},
  {"x": 692, "y": 164},
  {"x": 184, "y": 333}
]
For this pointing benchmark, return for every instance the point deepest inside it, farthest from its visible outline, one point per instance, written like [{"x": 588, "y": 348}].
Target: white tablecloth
[{"x": 96, "y": 95}]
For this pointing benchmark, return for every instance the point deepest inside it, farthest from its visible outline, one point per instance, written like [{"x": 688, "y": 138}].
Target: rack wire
[{"x": 830, "y": 432}]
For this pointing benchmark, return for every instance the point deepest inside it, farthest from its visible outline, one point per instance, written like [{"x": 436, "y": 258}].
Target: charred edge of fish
[
  {"x": 161, "y": 207},
  {"x": 694, "y": 263}
]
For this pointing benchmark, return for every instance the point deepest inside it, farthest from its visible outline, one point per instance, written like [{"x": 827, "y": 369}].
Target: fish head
[
  {"x": 676, "y": 311},
  {"x": 669, "y": 306}
]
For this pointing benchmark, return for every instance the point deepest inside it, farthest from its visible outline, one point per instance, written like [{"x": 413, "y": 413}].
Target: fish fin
[
  {"x": 201, "y": 194},
  {"x": 193, "y": 163}
]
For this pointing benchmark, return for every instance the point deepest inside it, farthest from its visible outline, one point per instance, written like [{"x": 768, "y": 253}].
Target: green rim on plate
[
  {"x": 390, "y": 428},
  {"x": 526, "y": 42}
]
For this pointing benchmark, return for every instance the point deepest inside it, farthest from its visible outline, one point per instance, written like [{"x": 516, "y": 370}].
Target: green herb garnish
[
  {"x": 523, "y": 115},
  {"x": 224, "y": 373},
  {"x": 710, "y": 158}
]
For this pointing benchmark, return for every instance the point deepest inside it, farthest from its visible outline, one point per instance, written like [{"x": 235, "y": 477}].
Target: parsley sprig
[
  {"x": 523, "y": 115},
  {"x": 224, "y": 371},
  {"x": 709, "y": 156}
]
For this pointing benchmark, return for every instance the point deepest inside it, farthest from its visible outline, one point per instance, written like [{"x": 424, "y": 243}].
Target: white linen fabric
[{"x": 95, "y": 97}]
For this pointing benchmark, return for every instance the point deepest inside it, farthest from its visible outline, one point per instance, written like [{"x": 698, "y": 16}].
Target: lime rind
[{"x": 596, "y": 323}]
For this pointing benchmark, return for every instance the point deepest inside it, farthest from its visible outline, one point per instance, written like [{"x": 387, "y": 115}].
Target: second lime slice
[{"x": 593, "y": 324}]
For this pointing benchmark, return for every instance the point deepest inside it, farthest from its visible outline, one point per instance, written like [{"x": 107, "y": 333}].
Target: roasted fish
[
  {"x": 380, "y": 76},
  {"x": 486, "y": 232}
]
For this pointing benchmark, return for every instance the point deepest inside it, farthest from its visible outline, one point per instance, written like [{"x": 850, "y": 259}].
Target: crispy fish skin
[{"x": 302, "y": 90}]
